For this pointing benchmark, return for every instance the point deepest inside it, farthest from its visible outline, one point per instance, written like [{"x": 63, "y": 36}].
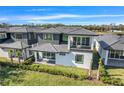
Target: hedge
[{"x": 71, "y": 72}]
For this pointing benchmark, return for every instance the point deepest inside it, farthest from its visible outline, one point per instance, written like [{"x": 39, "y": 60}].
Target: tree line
[{"x": 94, "y": 27}]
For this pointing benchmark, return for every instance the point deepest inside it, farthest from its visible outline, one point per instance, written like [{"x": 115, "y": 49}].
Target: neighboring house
[
  {"x": 116, "y": 31},
  {"x": 17, "y": 39},
  {"x": 69, "y": 46},
  {"x": 111, "y": 49}
]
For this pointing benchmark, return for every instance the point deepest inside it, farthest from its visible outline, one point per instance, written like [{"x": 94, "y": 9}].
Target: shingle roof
[
  {"x": 25, "y": 29},
  {"x": 13, "y": 44},
  {"x": 119, "y": 45},
  {"x": 57, "y": 30},
  {"x": 82, "y": 31},
  {"x": 67, "y": 29},
  {"x": 50, "y": 30},
  {"x": 3, "y": 29},
  {"x": 48, "y": 47},
  {"x": 111, "y": 42}
]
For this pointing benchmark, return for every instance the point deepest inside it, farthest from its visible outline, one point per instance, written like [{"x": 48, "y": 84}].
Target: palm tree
[
  {"x": 11, "y": 51},
  {"x": 99, "y": 69},
  {"x": 90, "y": 70},
  {"x": 18, "y": 54}
]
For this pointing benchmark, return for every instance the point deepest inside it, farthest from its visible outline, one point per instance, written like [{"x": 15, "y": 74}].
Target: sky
[{"x": 78, "y": 15}]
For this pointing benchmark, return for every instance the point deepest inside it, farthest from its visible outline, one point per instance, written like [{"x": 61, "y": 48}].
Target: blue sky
[{"x": 62, "y": 14}]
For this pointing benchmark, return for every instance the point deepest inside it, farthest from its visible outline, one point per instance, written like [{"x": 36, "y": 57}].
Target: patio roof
[
  {"x": 48, "y": 47},
  {"x": 13, "y": 44}
]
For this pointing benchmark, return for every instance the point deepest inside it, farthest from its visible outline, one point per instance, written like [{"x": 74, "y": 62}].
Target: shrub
[
  {"x": 29, "y": 60},
  {"x": 104, "y": 77},
  {"x": 71, "y": 72}
]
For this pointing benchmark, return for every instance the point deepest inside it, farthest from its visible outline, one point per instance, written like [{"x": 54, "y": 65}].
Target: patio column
[
  {"x": 69, "y": 42},
  {"x": 35, "y": 55},
  {"x": 106, "y": 57}
]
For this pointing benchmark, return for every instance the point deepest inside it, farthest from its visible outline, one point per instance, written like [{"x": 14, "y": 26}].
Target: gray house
[
  {"x": 111, "y": 49},
  {"x": 67, "y": 46}
]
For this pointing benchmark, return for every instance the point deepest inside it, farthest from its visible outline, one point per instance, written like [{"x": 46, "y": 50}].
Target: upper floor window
[
  {"x": 47, "y": 36},
  {"x": 79, "y": 59},
  {"x": 32, "y": 36},
  {"x": 84, "y": 41},
  {"x": 3, "y": 35},
  {"x": 116, "y": 54},
  {"x": 65, "y": 37},
  {"x": 19, "y": 36}
]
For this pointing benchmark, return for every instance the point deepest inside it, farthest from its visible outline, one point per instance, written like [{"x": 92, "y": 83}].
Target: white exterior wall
[
  {"x": 40, "y": 55},
  {"x": 4, "y": 53},
  {"x": 102, "y": 52},
  {"x": 69, "y": 59}
]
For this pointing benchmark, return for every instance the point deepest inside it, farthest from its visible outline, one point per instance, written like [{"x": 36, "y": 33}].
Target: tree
[
  {"x": 101, "y": 69},
  {"x": 18, "y": 54},
  {"x": 11, "y": 51},
  {"x": 90, "y": 70}
]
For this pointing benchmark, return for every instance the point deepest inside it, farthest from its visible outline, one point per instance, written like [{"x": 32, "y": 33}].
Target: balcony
[{"x": 80, "y": 47}]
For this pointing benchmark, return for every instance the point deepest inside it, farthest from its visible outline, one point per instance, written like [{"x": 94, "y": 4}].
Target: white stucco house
[
  {"x": 111, "y": 49},
  {"x": 77, "y": 51}
]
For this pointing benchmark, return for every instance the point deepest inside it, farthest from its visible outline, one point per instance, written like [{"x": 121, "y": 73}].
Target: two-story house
[
  {"x": 69, "y": 46},
  {"x": 17, "y": 39}
]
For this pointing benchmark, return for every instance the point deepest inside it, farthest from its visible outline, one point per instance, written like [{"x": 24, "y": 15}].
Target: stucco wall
[
  {"x": 3, "y": 52},
  {"x": 69, "y": 59}
]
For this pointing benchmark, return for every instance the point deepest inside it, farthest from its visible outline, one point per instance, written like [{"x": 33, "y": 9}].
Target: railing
[{"x": 80, "y": 47}]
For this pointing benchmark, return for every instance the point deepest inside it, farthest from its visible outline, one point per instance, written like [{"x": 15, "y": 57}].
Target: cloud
[
  {"x": 37, "y": 10},
  {"x": 3, "y": 19},
  {"x": 59, "y": 16}
]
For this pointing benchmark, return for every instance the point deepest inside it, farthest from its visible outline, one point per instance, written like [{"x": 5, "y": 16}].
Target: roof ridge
[{"x": 113, "y": 43}]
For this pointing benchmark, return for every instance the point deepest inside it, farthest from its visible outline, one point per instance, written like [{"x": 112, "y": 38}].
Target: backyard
[
  {"x": 16, "y": 77},
  {"x": 116, "y": 72}
]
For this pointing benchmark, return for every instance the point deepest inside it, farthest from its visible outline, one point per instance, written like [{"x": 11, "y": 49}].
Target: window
[
  {"x": 18, "y": 36},
  {"x": 62, "y": 54},
  {"x": 3, "y": 35},
  {"x": 32, "y": 36},
  {"x": 65, "y": 37},
  {"x": 48, "y": 55},
  {"x": 48, "y": 36},
  {"x": 79, "y": 59},
  {"x": 116, "y": 54},
  {"x": 84, "y": 41}
]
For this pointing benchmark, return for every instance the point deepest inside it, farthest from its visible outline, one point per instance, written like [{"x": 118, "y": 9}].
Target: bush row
[
  {"x": 104, "y": 77},
  {"x": 71, "y": 72}
]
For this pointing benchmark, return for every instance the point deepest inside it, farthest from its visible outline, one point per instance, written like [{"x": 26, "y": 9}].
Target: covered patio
[
  {"x": 46, "y": 53},
  {"x": 14, "y": 47}
]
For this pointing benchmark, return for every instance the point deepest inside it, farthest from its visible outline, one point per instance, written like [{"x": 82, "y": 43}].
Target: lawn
[
  {"x": 16, "y": 77},
  {"x": 116, "y": 72}
]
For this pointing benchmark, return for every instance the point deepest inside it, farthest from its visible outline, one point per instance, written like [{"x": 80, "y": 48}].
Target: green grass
[
  {"x": 16, "y": 77},
  {"x": 116, "y": 72}
]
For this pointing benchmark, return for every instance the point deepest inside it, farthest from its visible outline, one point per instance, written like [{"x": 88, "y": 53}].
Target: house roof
[
  {"x": 82, "y": 31},
  {"x": 111, "y": 41},
  {"x": 3, "y": 29},
  {"x": 48, "y": 47},
  {"x": 66, "y": 30},
  {"x": 50, "y": 30},
  {"x": 25, "y": 29},
  {"x": 57, "y": 30},
  {"x": 13, "y": 44}
]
